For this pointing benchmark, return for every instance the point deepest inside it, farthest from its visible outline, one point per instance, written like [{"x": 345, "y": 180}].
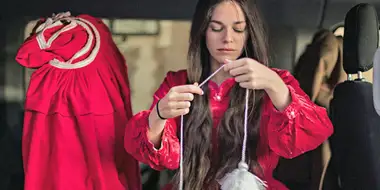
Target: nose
[{"x": 228, "y": 38}]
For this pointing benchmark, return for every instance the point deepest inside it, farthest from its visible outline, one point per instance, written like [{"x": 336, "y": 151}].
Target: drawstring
[
  {"x": 91, "y": 30},
  {"x": 181, "y": 134},
  {"x": 243, "y": 156}
]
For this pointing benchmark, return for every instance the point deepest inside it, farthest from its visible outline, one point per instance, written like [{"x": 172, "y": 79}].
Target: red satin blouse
[{"x": 301, "y": 127}]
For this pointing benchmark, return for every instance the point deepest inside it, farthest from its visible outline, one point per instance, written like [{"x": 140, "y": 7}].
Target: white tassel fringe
[{"x": 241, "y": 179}]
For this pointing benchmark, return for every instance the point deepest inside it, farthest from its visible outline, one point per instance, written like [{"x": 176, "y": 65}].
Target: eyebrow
[{"x": 218, "y": 22}]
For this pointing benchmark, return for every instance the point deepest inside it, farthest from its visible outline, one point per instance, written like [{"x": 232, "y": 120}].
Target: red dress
[
  {"x": 76, "y": 108},
  {"x": 301, "y": 127}
]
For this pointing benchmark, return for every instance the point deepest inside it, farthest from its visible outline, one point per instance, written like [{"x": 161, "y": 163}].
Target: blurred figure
[
  {"x": 319, "y": 70},
  {"x": 320, "y": 67}
]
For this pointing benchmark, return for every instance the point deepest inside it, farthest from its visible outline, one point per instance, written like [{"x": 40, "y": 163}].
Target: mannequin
[{"x": 76, "y": 108}]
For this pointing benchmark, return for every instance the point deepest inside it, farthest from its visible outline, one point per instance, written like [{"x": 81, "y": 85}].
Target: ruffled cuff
[
  {"x": 164, "y": 140},
  {"x": 280, "y": 119},
  {"x": 167, "y": 156}
]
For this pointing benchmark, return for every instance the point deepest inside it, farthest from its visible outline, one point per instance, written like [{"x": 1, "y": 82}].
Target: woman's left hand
[{"x": 253, "y": 75}]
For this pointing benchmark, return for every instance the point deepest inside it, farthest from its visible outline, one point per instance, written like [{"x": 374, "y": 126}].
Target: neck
[{"x": 221, "y": 75}]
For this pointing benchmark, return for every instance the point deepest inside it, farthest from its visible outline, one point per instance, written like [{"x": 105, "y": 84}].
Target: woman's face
[{"x": 226, "y": 34}]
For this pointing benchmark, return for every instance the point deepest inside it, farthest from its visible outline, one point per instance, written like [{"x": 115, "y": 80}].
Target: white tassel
[{"x": 241, "y": 179}]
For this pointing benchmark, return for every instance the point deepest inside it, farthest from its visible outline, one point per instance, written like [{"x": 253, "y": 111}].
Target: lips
[{"x": 226, "y": 50}]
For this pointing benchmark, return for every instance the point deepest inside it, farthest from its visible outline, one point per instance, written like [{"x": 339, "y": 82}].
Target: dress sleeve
[
  {"x": 302, "y": 126},
  {"x": 136, "y": 141}
]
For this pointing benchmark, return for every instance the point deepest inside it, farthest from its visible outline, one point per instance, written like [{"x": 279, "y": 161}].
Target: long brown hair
[{"x": 199, "y": 171}]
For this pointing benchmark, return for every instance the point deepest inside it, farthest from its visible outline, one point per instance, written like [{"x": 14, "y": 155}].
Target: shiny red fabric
[
  {"x": 75, "y": 118},
  {"x": 301, "y": 127}
]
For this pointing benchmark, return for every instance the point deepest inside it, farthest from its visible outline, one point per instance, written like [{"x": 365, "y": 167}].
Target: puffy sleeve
[
  {"x": 302, "y": 126},
  {"x": 136, "y": 141}
]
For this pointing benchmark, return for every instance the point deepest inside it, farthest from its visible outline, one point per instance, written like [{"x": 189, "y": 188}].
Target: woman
[{"x": 283, "y": 121}]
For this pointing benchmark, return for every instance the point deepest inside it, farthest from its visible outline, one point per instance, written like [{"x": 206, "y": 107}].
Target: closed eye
[
  {"x": 216, "y": 29},
  {"x": 239, "y": 30}
]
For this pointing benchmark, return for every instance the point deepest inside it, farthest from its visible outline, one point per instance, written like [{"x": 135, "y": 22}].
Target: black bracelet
[{"x": 158, "y": 112}]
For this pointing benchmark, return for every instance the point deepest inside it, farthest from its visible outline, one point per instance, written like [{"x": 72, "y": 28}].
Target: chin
[{"x": 223, "y": 59}]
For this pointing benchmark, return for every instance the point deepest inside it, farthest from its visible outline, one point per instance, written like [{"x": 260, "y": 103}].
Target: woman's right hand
[{"x": 177, "y": 101}]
